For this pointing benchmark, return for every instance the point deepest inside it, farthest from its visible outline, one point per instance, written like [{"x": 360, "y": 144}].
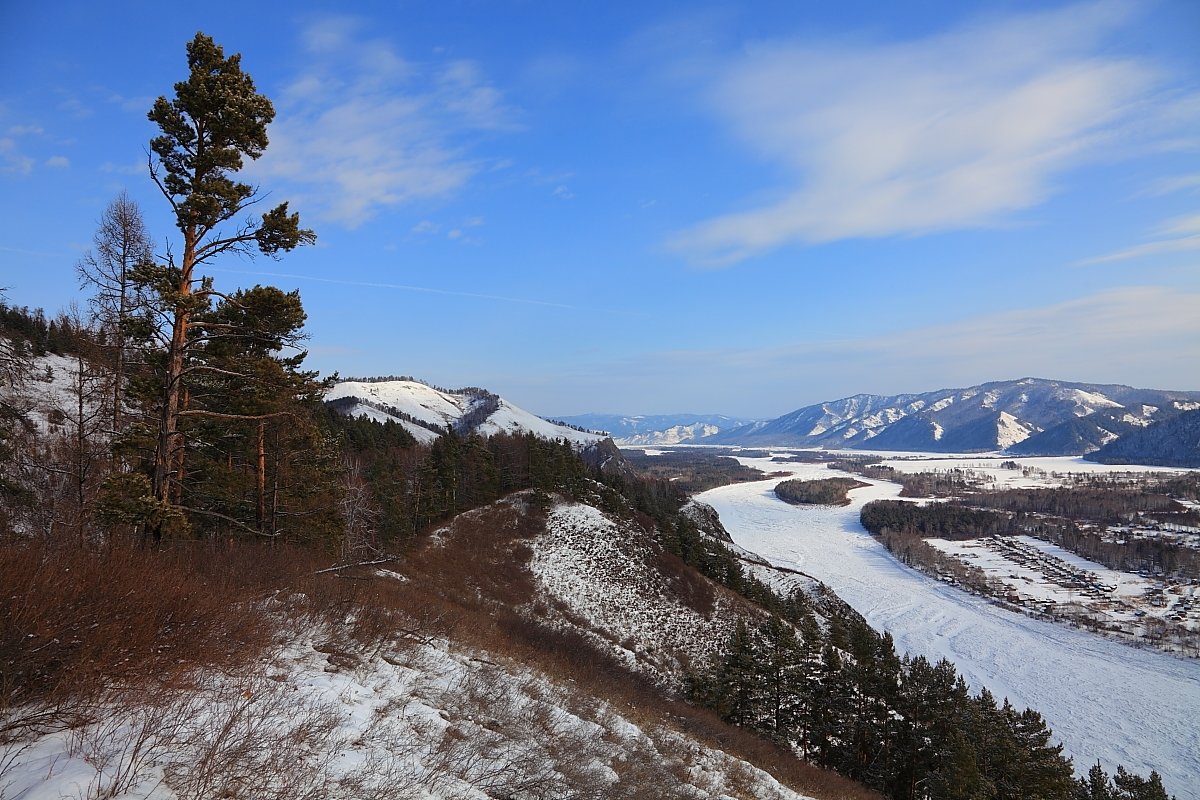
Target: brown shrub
[{"x": 74, "y": 622}]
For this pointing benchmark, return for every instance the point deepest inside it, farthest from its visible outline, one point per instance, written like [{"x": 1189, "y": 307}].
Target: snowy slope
[
  {"x": 1104, "y": 700},
  {"x": 421, "y": 408},
  {"x": 511, "y": 419},
  {"x": 51, "y": 391},
  {"x": 407, "y": 721},
  {"x": 609, "y": 573}
]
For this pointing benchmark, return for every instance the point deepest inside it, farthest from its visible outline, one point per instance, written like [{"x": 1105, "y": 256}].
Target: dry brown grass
[{"x": 75, "y": 622}]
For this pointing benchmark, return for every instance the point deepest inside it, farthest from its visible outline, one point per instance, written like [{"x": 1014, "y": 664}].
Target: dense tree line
[
  {"x": 824, "y": 491},
  {"x": 940, "y": 483},
  {"x": 936, "y": 520},
  {"x": 1098, "y": 785},
  {"x": 1186, "y": 486},
  {"x": 909, "y": 728},
  {"x": 411, "y": 487},
  {"x": 695, "y": 472},
  {"x": 912, "y": 550},
  {"x": 30, "y": 333},
  {"x": 1107, "y": 505}
]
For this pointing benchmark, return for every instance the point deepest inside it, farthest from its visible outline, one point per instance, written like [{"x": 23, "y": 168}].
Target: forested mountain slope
[{"x": 1174, "y": 442}]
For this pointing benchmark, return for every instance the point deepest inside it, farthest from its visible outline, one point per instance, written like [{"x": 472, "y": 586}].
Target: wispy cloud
[
  {"x": 25, "y": 252},
  {"x": 1177, "y": 183},
  {"x": 404, "y": 287},
  {"x": 12, "y": 160},
  {"x": 362, "y": 128},
  {"x": 1141, "y": 335},
  {"x": 958, "y": 130},
  {"x": 133, "y": 168},
  {"x": 1176, "y": 235}
]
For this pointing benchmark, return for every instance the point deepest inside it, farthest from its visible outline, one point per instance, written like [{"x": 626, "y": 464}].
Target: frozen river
[{"x": 1104, "y": 700}]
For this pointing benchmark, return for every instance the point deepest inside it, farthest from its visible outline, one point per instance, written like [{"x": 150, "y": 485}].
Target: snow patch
[
  {"x": 940, "y": 404},
  {"x": 1010, "y": 430}
]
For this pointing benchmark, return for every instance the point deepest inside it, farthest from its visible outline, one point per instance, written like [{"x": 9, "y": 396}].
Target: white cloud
[
  {"x": 563, "y": 193},
  {"x": 58, "y": 162},
  {"x": 1177, "y": 235},
  {"x": 957, "y": 130},
  {"x": 1181, "y": 226},
  {"x": 133, "y": 168},
  {"x": 1177, "y": 183},
  {"x": 12, "y": 160},
  {"x": 362, "y": 128}
]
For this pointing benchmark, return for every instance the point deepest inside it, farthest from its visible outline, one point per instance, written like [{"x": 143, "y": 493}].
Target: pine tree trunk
[
  {"x": 168, "y": 460},
  {"x": 260, "y": 511},
  {"x": 80, "y": 443}
]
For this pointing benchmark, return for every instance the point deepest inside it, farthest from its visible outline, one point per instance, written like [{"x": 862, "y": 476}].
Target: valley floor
[{"x": 1103, "y": 699}]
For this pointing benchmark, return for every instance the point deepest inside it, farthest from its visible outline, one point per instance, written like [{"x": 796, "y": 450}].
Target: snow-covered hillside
[
  {"x": 424, "y": 411},
  {"x": 609, "y": 574},
  {"x": 411, "y": 720},
  {"x": 1102, "y": 698},
  {"x": 51, "y": 390}
]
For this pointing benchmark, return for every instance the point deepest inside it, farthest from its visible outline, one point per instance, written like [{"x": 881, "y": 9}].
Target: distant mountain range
[
  {"x": 657, "y": 429},
  {"x": 426, "y": 411},
  {"x": 1031, "y": 416},
  {"x": 1173, "y": 442}
]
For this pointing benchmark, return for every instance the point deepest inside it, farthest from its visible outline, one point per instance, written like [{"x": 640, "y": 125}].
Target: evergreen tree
[
  {"x": 1096, "y": 786},
  {"x": 216, "y": 119},
  {"x": 266, "y": 458}
]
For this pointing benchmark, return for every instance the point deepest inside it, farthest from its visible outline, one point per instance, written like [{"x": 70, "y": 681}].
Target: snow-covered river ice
[{"x": 1105, "y": 700}]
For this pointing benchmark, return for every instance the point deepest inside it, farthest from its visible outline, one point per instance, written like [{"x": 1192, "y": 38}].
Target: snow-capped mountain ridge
[
  {"x": 657, "y": 429},
  {"x": 1029, "y": 416},
  {"x": 426, "y": 411}
]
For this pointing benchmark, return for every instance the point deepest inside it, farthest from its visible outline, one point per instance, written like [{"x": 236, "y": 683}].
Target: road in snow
[{"x": 1104, "y": 700}]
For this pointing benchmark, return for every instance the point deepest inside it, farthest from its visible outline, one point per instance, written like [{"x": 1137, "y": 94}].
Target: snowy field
[{"x": 1105, "y": 700}]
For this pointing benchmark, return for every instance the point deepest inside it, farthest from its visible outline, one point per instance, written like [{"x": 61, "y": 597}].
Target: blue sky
[{"x": 647, "y": 208}]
